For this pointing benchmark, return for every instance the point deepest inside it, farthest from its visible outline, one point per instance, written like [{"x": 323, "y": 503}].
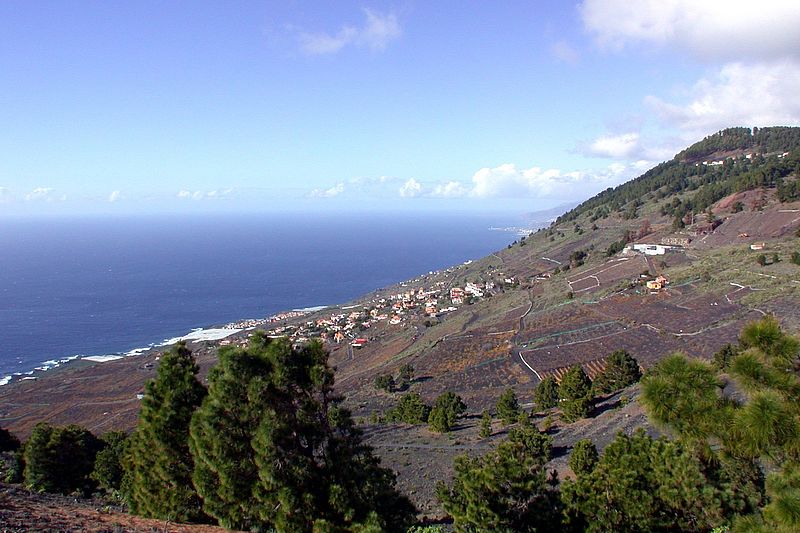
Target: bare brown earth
[
  {"x": 22, "y": 510},
  {"x": 511, "y": 339}
]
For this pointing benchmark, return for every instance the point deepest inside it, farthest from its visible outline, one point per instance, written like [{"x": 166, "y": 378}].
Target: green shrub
[
  {"x": 583, "y": 457},
  {"x": 545, "y": 395},
  {"x": 508, "y": 407},
  {"x": 108, "y": 469},
  {"x": 575, "y": 393},
  {"x": 446, "y": 409},
  {"x": 60, "y": 459}
]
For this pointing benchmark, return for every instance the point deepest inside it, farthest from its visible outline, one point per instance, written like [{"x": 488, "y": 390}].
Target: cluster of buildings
[{"x": 352, "y": 325}]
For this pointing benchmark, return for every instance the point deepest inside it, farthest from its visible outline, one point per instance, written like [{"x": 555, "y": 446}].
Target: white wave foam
[
  {"x": 197, "y": 335},
  {"x": 101, "y": 358},
  {"x": 311, "y": 309}
]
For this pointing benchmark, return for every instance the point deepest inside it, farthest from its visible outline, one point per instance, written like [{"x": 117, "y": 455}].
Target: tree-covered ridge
[
  {"x": 761, "y": 140},
  {"x": 767, "y": 167}
]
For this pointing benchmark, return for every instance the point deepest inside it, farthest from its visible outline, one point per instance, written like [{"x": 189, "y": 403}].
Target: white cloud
[
  {"x": 38, "y": 193},
  {"x": 740, "y": 95},
  {"x": 501, "y": 182},
  {"x": 334, "y": 191},
  {"x": 754, "y": 50},
  {"x": 377, "y": 31},
  {"x": 44, "y": 194},
  {"x": 215, "y": 194},
  {"x": 709, "y": 29},
  {"x": 564, "y": 52},
  {"x": 115, "y": 196},
  {"x": 451, "y": 189},
  {"x": 411, "y": 189},
  {"x": 506, "y": 181},
  {"x": 616, "y": 146}
]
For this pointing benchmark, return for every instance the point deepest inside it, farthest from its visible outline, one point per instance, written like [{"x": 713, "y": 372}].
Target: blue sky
[{"x": 139, "y": 107}]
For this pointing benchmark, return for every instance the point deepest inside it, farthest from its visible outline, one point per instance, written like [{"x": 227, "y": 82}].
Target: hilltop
[{"x": 570, "y": 293}]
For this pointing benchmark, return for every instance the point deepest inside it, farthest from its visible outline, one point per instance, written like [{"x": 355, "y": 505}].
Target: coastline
[
  {"x": 30, "y": 369},
  {"x": 199, "y": 334}
]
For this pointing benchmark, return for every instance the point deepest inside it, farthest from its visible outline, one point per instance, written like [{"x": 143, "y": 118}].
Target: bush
[
  {"x": 60, "y": 459},
  {"x": 406, "y": 376},
  {"x": 621, "y": 371},
  {"x": 108, "y": 469},
  {"x": 506, "y": 490},
  {"x": 722, "y": 359},
  {"x": 384, "y": 382},
  {"x": 410, "y": 409},
  {"x": 583, "y": 457},
  {"x": 16, "y": 468},
  {"x": 575, "y": 393},
  {"x": 545, "y": 395},
  {"x": 508, "y": 407},
  {"x": 446, "y": 409},
  {"x": 486, "y": 425}
]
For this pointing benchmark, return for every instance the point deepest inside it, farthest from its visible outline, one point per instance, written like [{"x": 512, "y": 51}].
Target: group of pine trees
[
  {"x": 268, "y": 446},
  {"x": 575, "y": 393},
  {"x": 732, "y": 466},
  {"x": 711, "y": 183}
]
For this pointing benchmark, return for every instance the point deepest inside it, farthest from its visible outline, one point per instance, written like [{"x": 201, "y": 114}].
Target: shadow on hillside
[{"x": 605, "y": 406}]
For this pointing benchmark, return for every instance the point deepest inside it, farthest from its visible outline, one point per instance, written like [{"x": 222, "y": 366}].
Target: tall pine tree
[
  {"x": 575, "y": 392},
  {"x": 158, "y": 465},
  {"x": 274, "y": 448}
]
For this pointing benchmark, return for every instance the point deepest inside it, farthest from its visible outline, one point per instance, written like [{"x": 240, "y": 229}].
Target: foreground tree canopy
[
  {"x": 506, "y": 490},
  {"x": 158, "y": 465},
  {"x": 751, "y": 414},
  {"x": 60, "y": 459},
  {"x": 273, "y": 448}
]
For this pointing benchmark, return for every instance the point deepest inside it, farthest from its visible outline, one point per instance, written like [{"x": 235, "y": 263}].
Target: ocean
[{"x": 97, "y": 286}]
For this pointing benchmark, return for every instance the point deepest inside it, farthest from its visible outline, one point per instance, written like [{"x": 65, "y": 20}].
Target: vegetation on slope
[{"x": 709, "y": 183}]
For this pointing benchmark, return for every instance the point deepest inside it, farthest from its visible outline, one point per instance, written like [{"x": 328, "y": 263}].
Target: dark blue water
[{"x": 99, "y": 286}]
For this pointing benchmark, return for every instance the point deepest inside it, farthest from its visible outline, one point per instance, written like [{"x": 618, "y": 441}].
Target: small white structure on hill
[{"x": 648, "y": 249}]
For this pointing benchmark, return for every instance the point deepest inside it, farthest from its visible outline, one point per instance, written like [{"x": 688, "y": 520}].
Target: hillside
[{"x": 570, "y": 293}]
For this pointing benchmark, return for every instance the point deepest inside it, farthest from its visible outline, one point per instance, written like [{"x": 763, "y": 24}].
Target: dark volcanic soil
[{"x": 22, "y": 510}]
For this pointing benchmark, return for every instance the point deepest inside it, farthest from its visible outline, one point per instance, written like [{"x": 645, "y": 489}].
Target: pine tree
[
  {"x": 545, "y": 395},
  {"x": 508, "y": 407},
  {"x": 446, "y": 409},
  {"x": 621, "y": 371},
  {"x": 273, "y": 447},
  {"x": 158, "y": 465},
  {"x": 60, "y": 459},
  {"x": 575, "y": 393},
  {"x": 406, "y": 376},
  {"x": 486, "y": 425},
  {"x": 583, "y": 457},
  {"x": 108, "y": 469},
  {"x": 410, "y": 409},
  {"x": 507, "y": 490},
  {"x": 723, "y": 357},
  {"x": 641, "y": 484},
  {"x": 688, "y": 397}
]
